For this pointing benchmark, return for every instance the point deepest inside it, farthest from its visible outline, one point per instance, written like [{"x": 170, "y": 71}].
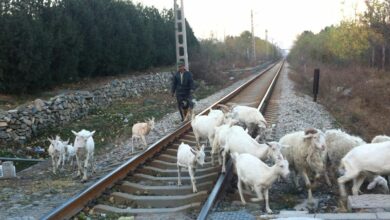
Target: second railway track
[{"x": 147, "y": 183}]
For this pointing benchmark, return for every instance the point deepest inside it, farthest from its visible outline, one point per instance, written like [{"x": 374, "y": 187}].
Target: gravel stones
[{"x": 297, "y": 111}]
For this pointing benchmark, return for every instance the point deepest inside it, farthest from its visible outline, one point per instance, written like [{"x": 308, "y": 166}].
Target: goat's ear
[
  {"x": 93, "y": 132},
  {"x": 193, "y": 151},
  {"x": 308, "y": 136},
  {"x": 75, "y": 133},
  {"x": 50, "y": 140},
  {"x": 152, "y": 118}
]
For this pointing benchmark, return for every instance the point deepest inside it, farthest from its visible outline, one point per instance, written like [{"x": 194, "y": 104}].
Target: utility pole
[
  {"x": 266, "y": 44},
  {"x": 253, "y": 39},
  {"x": 180, "y": 34}
]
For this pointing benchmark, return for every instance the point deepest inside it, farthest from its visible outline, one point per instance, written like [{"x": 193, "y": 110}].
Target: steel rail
[
  {"x": 20, "y": 159},
  {"x": 223, "y": 179},
  {"x": 78, "y": 202}
]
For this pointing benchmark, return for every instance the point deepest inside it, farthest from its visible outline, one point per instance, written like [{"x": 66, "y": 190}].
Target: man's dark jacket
[{"x": 182, "y": 89}]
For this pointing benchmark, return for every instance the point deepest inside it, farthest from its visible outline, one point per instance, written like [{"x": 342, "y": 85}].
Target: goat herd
[
  {"x": 305, "y": 153},
  {"x": 231, "y": 130},
  {"x": 84, "y": 147}
]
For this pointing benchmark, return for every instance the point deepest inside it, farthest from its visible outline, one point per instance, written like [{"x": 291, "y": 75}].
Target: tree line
[
  {"x": 233, "y": 52},
  {"x": 44, "y": 43},
  {"x": 364, "y": 40}
]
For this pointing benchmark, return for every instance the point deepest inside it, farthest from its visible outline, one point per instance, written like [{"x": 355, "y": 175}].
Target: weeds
[{"x": 358, "y": 97}]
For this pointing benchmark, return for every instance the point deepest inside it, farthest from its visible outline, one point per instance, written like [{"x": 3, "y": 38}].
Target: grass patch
[
  {"x": 112, "y": 124},
  {"x": 204, "y": 90}
]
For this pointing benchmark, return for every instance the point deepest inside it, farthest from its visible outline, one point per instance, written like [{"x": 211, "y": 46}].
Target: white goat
[
  {"x": 367, "y": 158},
  {"x": 188, "y": 157},
  {"x": 252, "y": 118},
  {"x": 70, "y": 152},
  {"x": 140, "y": 130},
  {"x": 258, "y": 175},
  {"x": 304, "y": 152},
  {"x": 203, "y": 125},
  {"x": 57, "y": 152},
  {"x": 380, "y": 138},
  {"x": 237, "y": 140},
  {"x": 338, "y": 144},
  {"x": 220, "y": 138},
  {"x": 84, "y": 147}
]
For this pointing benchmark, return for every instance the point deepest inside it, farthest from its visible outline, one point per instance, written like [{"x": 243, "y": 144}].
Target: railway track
[{"x": 147, "y": 183}]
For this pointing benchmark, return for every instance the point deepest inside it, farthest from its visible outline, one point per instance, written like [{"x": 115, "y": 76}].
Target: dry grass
[{"x": 358, "y": 97}]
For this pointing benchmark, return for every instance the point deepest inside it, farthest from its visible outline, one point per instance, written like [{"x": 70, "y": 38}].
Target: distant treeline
[
  {"x": 363, "y": 40},
  {"x": 47, "y": 42}
]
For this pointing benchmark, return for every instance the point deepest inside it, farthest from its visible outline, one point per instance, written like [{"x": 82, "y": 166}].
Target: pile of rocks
[{"x": 22, "y": 123}]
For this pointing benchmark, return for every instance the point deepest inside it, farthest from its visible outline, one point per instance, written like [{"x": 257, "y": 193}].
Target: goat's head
[
  {"x": 200, "y": 155},
  {"x": 282, "y": 166},
  {"x": 229, "y": 120},
  {"x": 274, "y": 151},
  {"x": 224, "y": 108},
  {"x": 151, "y": 123},
  {"x": 316, "y": 138},
  {"x": 55, "y": 142},
  {"x": 262, "y": 124},
  {"x": 82, "y": 137},
  {"x": 65, "y": 142}
]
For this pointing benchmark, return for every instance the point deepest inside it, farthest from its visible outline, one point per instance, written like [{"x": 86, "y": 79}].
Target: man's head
[{"x": 181, "y": 66}]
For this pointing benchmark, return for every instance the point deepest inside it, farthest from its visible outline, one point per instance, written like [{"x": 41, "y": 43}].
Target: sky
[{"x": 284, "y": 19}]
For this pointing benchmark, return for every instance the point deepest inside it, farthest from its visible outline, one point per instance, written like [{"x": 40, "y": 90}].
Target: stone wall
[{"x": 20, "y": 124}]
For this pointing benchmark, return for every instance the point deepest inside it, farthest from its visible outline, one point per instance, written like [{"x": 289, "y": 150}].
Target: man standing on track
[{"x": 183, "y": 86}]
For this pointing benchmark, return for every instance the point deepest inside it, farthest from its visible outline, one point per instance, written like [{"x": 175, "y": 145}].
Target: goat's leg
[
  {"x": 269, "y": 211},
  {"x": 296, "y": 179},
  {"x": 197, "y": 140},
  {"x": 343, "y": 179},
  {"x": 53, "y": 162},
  {"x": 144, "y": 141},
  {"x": 239, "y": 186},
  {"x": 93, "y": 163},
  {"x": 212, "y": 155},
  {"x": 178, "y": 175},
  {"x": 59, "y": 161},
  {"x": 63, "y": 161},
  {"x": 308, "y": 187},
  {"x": 327, "y": 180},
  {"x": 132, "y": 144},
  {"x": 193, "y": 180},
  {"x": 224, "y": 161},
  {"x": 78, "y": 165},
  {"x": 258, "y": 193},
  {"x": 220, "y": 156},
  {"x": 357, "y": 183},
  {"x": 85, "y": 177}
]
